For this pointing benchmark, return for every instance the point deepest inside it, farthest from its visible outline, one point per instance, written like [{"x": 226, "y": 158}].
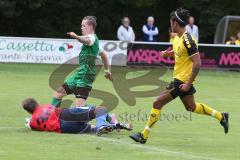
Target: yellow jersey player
[
  {"x": 186, "y": 68},
  {"x": 237, "y": 42}
]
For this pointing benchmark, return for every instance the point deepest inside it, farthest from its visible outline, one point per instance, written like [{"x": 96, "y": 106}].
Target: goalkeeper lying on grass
[{"x": 71, "y": 120}]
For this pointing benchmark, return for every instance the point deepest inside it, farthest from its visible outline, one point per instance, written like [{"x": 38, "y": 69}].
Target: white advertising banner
[{"x": 50, "y": 51}]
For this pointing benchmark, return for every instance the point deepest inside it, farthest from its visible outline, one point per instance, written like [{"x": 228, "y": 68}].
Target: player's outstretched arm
[
  {"x": 104, "y": 58},
  {"x": 167, "y": 53},
  {"x": 81, "y": 39}
]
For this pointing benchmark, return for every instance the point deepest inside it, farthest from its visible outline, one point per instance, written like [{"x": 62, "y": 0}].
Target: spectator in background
[
  {"x": 192, "y": 28},
  {"x": 232, "y": 41},
  {"x": 125, "y": 32},
  {"x": 237, "y": 42},
  {"x": 150, "y": 31}
]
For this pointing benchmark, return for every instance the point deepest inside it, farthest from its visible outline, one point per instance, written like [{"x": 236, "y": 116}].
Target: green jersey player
[{"x": 80, "y": 83}]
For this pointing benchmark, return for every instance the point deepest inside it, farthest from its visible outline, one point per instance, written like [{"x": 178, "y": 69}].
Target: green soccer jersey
[
  {"x": 87, "y": 57},
  {"x": 85, "y": 73}
]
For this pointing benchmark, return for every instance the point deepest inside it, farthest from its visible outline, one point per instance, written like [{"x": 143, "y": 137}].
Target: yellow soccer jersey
[
  {"x": 184, "y": 47},
  {"x": 237, "y": 42}
]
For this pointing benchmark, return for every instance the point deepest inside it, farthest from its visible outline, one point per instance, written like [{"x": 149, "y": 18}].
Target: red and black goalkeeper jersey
[{"x": 46, "y": 118}]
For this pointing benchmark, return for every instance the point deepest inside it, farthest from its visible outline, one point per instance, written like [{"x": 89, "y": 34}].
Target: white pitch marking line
[{"x": 186, "y": 155}]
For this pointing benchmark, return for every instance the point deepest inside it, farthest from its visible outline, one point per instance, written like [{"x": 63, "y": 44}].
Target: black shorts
[
  {"x": 79, "y": 92},
  {"x": 75, "y": 120},
  {"x": 175, "y": 91}
]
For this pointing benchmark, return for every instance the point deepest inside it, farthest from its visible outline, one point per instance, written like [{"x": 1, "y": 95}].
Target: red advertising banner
[{"x": 213, "y": 56}]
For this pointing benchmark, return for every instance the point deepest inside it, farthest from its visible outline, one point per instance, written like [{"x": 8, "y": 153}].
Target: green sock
[{"x": 56, "y": 102}]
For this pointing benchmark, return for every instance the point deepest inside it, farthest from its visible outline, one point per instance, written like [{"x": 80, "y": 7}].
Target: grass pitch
[{"x": 191, "y": 136}]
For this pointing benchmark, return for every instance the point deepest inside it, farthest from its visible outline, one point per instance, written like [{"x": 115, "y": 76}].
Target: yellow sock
[
  {"x": 206, "y": 110},
  {"x": 152, "y": 119}
]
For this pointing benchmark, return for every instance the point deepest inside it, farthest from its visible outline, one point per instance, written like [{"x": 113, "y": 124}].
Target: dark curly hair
[{"x": 181, "y": 16}]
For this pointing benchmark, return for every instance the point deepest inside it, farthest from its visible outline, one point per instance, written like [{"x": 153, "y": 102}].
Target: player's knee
[{"x": 157, "y": 104}]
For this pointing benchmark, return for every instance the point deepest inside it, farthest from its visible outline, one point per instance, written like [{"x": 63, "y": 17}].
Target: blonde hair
[{"x": 92, "y": 20}]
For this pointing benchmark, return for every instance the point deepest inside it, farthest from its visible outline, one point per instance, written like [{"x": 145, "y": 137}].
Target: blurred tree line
[{"x": 53, "y": 18}]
